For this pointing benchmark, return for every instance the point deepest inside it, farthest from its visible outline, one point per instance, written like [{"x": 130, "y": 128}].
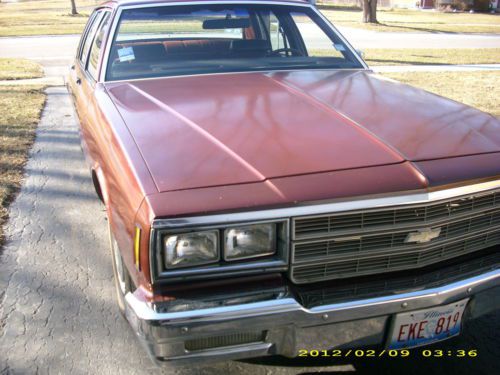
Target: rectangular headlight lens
[
  {"x": 191, "y": 249},
  {"x": 249, "y": 241}
]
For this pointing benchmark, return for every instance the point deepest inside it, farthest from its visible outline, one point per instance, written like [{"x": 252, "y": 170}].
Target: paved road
[
  {"x": 57, "y": 307},
  {"x": 53, "y": 52}
]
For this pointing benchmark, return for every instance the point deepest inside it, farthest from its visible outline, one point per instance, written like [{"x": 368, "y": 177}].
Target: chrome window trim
[
  {"x": 97, "y": 20},
  {"x": 277, "y": 262},
  {"x": 120, "y": 9},
  {"x": 341, "y": 205},
  {"x": 106, "y": 12},
  {"x": 99, "y": 14},
  {"x": 83, "y": 37}
]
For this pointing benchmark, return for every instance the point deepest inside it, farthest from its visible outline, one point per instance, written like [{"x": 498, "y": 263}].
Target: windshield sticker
[
  {"x": 339, "y": 47},
  {"x": 126, "y": 54}
]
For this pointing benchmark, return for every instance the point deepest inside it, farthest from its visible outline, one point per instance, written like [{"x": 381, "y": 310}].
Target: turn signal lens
[{"x": 137, "y": 244}]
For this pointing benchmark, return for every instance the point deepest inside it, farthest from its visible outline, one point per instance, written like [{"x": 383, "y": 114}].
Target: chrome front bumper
[{"x": 287, "y": 326}]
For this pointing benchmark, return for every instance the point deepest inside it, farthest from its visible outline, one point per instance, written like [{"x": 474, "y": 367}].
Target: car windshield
[{"x": 181, "y": 40}]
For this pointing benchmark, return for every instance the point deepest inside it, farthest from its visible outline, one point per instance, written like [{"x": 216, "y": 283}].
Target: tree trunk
[
  {"x": 74, "y": 12},
  {"x": 370, "y": 11}
]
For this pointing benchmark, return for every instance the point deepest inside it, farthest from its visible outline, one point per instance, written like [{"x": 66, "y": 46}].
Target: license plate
[{"x": 423, "y": 327}]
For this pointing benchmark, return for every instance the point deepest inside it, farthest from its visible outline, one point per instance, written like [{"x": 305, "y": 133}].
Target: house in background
[
  {"x": 381, "y": 3},
  {"x": 463, "y": 5}
]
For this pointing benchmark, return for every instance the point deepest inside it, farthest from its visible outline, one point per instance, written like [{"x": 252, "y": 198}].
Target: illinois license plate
[{"x": 423, "y": 327}]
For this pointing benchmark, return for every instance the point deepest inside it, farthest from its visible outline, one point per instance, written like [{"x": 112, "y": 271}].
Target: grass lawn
[
  {"x": 432, "y": 56},
  {"x": 477, "y": 89},
  {"x": 43, "y": 17},
  {"x": 20, "y": 109},
  {"x": 404, "y": 20},
  {"x": 19, "y": 69}
]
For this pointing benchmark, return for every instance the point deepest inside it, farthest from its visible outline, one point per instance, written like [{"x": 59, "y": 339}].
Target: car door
[
  {"x": 84, "y": 77},
  {"x": 77, "y": 70},
  {"x": 93, "y": 132}
]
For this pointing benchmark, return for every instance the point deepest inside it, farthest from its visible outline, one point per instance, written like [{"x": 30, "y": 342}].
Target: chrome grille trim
[
  {"x": 390, "y": 263},
  {"x": 400, "y": 217},
  {"x": 365, "y": 246},
  {"x": 389, "y": 242},
  {"x": 239, "y": 338},
  {"x": 362, "y": 289}
]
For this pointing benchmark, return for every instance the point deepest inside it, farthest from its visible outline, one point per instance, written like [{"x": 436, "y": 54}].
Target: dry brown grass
[
  {"x": 407, "y": 20},
  {"x": 19, "y": 69},
  {"x": 43, "y": 17},
  {"x": 432, "y": 56},
  {"x": 477, "y": 89},
  {"x": 20, "y": 110}
]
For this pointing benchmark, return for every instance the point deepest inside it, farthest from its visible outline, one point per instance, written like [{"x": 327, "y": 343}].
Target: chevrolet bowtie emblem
[{"x": 423, "y": 235}]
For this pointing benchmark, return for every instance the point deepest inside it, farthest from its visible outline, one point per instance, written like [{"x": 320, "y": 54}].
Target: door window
[
  {"x": 96, "y": 46},
  {"x": 90, "y": 37}
]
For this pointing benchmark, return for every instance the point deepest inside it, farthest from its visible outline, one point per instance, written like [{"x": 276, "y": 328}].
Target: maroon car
[{"x": 268, "y": 194}]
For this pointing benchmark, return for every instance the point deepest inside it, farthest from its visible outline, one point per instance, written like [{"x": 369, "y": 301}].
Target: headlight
[
  {"x": 249, "y": 241},
  {"x": 191, "y": 249}
]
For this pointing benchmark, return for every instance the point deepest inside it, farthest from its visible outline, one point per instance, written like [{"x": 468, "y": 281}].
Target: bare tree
[
  {"x": 74, "y": 12},
  {"x": 370, "y": 11}
]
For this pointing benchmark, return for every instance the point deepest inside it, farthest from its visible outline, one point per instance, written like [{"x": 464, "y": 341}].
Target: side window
[
  {"x": 84, "y": 34},
  {"x": 89, "y": 38},
  {"x": 96, "y": 46}
]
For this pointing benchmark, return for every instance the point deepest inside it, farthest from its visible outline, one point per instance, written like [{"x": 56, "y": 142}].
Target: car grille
[
  {"x": 358, "y": 243},
  {"x": 312, "y": 296}
]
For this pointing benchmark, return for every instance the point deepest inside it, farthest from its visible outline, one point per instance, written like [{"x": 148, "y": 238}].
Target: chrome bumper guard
[{"x": 287, "y": 326}]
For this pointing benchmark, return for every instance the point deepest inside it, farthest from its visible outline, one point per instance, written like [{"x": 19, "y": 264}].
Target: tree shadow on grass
[{"x": 422, "y": 29}]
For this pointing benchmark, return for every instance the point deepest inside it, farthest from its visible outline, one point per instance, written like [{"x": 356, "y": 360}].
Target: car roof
[{"x": 120, "y": 3}]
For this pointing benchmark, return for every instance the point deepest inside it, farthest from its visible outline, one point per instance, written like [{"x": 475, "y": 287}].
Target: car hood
[{"x": 222, "y": 129}]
